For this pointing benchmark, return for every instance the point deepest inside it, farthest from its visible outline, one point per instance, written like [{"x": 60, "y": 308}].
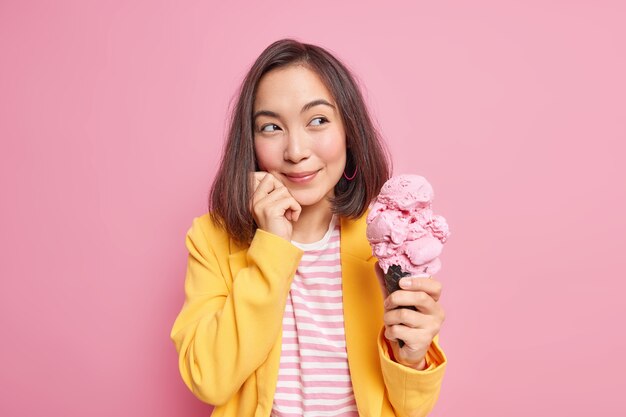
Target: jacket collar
[
  {"x": 354, "y": 247},
  {"x": 352, "y": 239}
]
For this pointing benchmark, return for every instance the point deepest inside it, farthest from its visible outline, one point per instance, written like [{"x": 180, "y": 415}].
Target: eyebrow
[{"x": 304, "y": 108}]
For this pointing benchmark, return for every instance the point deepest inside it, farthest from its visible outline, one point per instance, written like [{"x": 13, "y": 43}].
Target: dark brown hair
[{"x": 230, "y": 193}]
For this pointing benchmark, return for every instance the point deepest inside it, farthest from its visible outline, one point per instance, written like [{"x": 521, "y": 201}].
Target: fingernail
[{"x": 405, "y": 283}]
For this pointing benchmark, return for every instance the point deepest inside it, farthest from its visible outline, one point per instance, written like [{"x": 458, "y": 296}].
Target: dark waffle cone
[
  {"x": 392, "y": 283},
  {"x": 392, "y": 278}
]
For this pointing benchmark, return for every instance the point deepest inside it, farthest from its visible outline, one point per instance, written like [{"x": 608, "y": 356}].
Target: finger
[
  {"x": 278, "y": 203},
  {"x": 413, "y": 320},
  {"x": 281, "y": 190},
  {"x": 426, "y": 283},
  {"x": 394, "y": 333},
  {"x": 255, "y": 179},
  {"x": 276, "y": 181},
  {"x": 407, "y": 317},
  {"x": 295, "y": 212},
  {"x": 408, "y": 335},
  {"x": 399, "y": 332},
  {"x": 419, "y": 299},
  {"x": 276, "y": 195},
  {"x": 265, "y": 187},
  {"x": 293, "y": 208},
  {"x": 269, "y": 183}
]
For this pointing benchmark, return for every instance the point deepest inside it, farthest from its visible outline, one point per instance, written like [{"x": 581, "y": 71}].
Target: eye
[
  {"x": 272, "y": 125},
  {"x": 322, "y": 120}
]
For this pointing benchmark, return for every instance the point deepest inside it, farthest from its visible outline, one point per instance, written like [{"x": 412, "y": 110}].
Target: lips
[{"x": 301, "y": 176}]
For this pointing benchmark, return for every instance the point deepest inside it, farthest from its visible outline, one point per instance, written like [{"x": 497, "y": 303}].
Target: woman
[{"x": 284, "y": 311}]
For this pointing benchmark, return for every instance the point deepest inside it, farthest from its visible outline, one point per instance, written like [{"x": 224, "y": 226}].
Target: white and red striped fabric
[{"x": 313, "y": 378}]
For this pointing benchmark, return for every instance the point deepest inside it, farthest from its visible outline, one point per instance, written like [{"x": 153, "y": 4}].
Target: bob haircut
[{"x": 231, "y": 191}]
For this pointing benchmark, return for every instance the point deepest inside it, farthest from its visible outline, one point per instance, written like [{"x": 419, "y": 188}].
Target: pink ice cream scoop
[
  {"x": 402, "y": 229},
  {"x": 404, "y": 234}
]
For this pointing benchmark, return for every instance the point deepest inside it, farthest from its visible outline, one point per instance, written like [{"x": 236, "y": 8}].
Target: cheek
[
  {"x": 333, "y": 149},
  {"x": 266, "y": 155}
]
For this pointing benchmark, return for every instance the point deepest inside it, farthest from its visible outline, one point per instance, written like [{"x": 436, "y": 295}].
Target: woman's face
[{"x": 298, "y": 133}]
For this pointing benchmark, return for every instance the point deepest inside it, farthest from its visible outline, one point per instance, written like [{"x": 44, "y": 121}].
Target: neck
[{"x": 313, "y": 223}]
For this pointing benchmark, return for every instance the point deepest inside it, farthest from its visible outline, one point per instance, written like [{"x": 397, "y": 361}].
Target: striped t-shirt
[{"x": 313, "y": 378}]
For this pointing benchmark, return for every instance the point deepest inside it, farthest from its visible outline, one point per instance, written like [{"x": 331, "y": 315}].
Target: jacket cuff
[
  {"x": 267, "y": 248},
  {"x": 396, "y": 374}
]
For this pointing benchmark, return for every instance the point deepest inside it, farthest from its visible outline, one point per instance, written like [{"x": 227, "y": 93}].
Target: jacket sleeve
[
  {"x": 412, "y": 393},
  {"x": 226, "y": 329}
]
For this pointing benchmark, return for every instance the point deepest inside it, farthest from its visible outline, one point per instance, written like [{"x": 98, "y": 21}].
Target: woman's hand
[
  {"x": 416, "y": 328},
  {"x": 273, "y": 207}
]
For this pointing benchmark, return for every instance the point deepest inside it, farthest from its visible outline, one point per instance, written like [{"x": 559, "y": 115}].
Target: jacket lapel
[{"x": 362, "y": 315}]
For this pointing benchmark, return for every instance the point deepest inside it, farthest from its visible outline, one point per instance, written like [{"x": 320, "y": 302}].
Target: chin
[{"x": 305, "y": 198}]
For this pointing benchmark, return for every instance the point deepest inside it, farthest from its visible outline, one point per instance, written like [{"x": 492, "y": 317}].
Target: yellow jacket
[{"x": 228, "y": 333}]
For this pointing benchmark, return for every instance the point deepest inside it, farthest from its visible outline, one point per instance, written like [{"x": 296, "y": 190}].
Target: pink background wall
[{"x": 112, "y": 116}]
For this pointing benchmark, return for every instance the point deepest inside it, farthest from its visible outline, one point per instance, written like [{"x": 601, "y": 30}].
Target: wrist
[{"x": 420, "y": 366}]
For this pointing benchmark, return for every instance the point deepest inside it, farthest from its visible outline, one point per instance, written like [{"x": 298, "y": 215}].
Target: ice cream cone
[
  {"x": 405, "y": 235},
  {"x": 392, "y": 278},
  {"x": 392, "y": 283}
]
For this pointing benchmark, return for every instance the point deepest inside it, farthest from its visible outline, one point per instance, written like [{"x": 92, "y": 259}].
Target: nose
[{"x": 298, "y": 147}]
